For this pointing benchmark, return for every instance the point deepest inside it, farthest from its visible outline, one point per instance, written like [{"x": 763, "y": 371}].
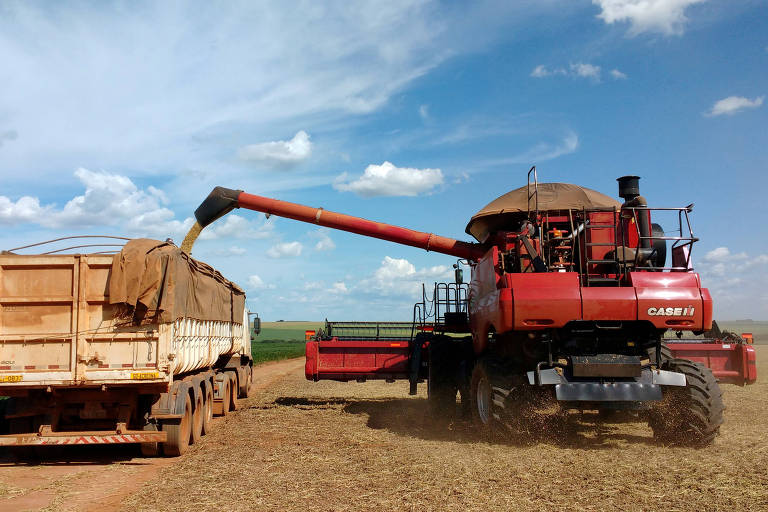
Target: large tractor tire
[
  {"x": 690, "y": 415},
  {"x": 179, "y": 432},
  {"x": 441, "y": 379},
  {"x": 666, "y": 354}
]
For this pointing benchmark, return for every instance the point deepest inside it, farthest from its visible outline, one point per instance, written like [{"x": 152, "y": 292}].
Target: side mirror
[{"x": 459, "y": 275}]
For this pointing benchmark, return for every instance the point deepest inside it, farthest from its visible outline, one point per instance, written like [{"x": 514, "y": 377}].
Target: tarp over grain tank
[{"x": 159, "y": 283}]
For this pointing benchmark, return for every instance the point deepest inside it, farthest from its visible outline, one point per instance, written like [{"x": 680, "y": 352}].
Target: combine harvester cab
[
  {"x": 570, "y": 296},
  {"x": 143, "y": 346}
]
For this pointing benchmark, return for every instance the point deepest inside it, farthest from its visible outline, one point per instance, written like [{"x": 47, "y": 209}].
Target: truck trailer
[{"x": 143, "y": 346}]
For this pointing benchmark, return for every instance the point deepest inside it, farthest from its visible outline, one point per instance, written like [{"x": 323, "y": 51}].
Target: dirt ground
[
  {"x": 95, "y": 478},
  {"x": 298, "y": 445}
]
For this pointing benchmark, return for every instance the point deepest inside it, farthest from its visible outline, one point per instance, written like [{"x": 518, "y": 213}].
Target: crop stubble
[{"x": 332, "y": 446}]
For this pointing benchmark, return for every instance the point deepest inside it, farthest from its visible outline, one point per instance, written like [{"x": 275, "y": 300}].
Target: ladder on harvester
[{"x": 614, "y": 266}]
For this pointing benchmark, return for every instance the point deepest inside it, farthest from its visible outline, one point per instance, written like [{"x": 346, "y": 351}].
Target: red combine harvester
[{"x": 569, "y": 300}]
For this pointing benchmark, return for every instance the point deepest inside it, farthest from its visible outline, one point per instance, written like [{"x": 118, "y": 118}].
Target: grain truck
[{"x": 143, "y": 346}]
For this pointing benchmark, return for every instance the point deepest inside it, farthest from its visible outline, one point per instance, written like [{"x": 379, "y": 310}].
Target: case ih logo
[{"x": 671, "y": 311}]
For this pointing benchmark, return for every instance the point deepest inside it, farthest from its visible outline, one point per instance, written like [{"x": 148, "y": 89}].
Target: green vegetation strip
[{"x": 281, "y": 340}]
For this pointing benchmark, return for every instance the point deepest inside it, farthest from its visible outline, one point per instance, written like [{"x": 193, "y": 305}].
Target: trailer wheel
[
  {"x": 179, "y": 432},
  {"x": 690, "y": 415},
  {"x": 245, "y": 389},
  {"x": 198, "y": 417},
  {"x": 441, "y": 386},
  {"x": 226, "y": 397},
  {"x": 207, "y": 409},
  {"x": 234, "y": 387},
  {"x": 150, "y": 449}
]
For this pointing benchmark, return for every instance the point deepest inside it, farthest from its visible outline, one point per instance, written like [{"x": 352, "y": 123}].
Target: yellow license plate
[
  {"x": 145, "y": 375},
  {"x": 11, "y": 378}
]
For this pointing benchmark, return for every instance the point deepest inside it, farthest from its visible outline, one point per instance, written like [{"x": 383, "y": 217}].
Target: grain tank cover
[
  {"x": 157, "y": 282},
  {"x": 503, "y": 212}
]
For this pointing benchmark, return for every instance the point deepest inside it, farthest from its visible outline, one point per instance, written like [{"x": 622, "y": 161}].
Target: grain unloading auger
[{"x": 569, "y": 299}]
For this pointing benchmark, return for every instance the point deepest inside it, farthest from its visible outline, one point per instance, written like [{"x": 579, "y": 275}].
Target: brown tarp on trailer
[
  {"x": 157, "y": 282},
  {"x": 552, "y": 196}
]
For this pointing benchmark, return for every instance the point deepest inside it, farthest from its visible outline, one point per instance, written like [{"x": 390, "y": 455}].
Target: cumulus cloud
[
  {"x": 279, "y": 154},
  {"x": 285, "y": 250},
  {"x": 257, "y": 283},
  {"x": 734, "y": 104},
  {"x": 663, "y": 16},
  {"x": 388, "y": 180},
  {"x": 586, "y": 70},
  {"x": 24, "y": 210},
  {"x": 398, "y": 276},
  {"x": 109, "y": 200}
]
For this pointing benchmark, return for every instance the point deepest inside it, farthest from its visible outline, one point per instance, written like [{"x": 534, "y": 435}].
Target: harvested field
[{"x": 332, "y": 446}]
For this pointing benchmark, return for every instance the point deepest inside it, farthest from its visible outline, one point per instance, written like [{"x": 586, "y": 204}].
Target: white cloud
[
  {"x": 388, "y": 180},
  {"x": 575, "y": 70},
  {"x": 285, "y": 250},
  {"x": 235, "y": 226},
  {"x": 540, "y": 71},
  {"x": 737, "y": 282},
  {"x": 109, "y": 200},
  {"x": 25, "y": 210},
  {"x": 279, "y": 154},
  {"x": 586, "y": 70},
  {"x": 664, "y": 16},
  {"x": 618, "y": 75},
  {"x": 324, "y": 242},
  {"x": 424, "y": 112},
  {"x": 733, "y": 104},
  {"x": 257, "y": 283},
  {"x": 398, "y": 276},
  {"x": 339, "y": 287}
]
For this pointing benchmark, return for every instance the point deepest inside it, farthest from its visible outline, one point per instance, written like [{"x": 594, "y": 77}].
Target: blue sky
[{"x": 118, "y": 118}]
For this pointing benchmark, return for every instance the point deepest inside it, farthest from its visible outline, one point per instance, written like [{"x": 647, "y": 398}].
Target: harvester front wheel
[
  {"x": 441, "y": 385},
  {"x": 690, "y": 415},
  {"x": 481, "y": 397}
]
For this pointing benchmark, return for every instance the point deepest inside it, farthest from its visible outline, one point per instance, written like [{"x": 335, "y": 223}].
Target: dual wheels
[{"x": 197, "y": 418}]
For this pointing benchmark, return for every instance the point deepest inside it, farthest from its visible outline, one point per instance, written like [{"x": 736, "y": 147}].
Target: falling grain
[{"x": 192, "y": 235}]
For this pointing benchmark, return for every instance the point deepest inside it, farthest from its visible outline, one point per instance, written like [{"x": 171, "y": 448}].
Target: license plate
[
  {"x": 11, "y": 378},
  {"x": 145, "y": 375}
]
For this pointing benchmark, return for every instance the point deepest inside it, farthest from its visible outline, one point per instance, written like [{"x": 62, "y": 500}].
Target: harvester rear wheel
[
  {"x": 441, "y": 385},
  {"x": 690, "y": 415},
  {"x": 179, "y": 432}
]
